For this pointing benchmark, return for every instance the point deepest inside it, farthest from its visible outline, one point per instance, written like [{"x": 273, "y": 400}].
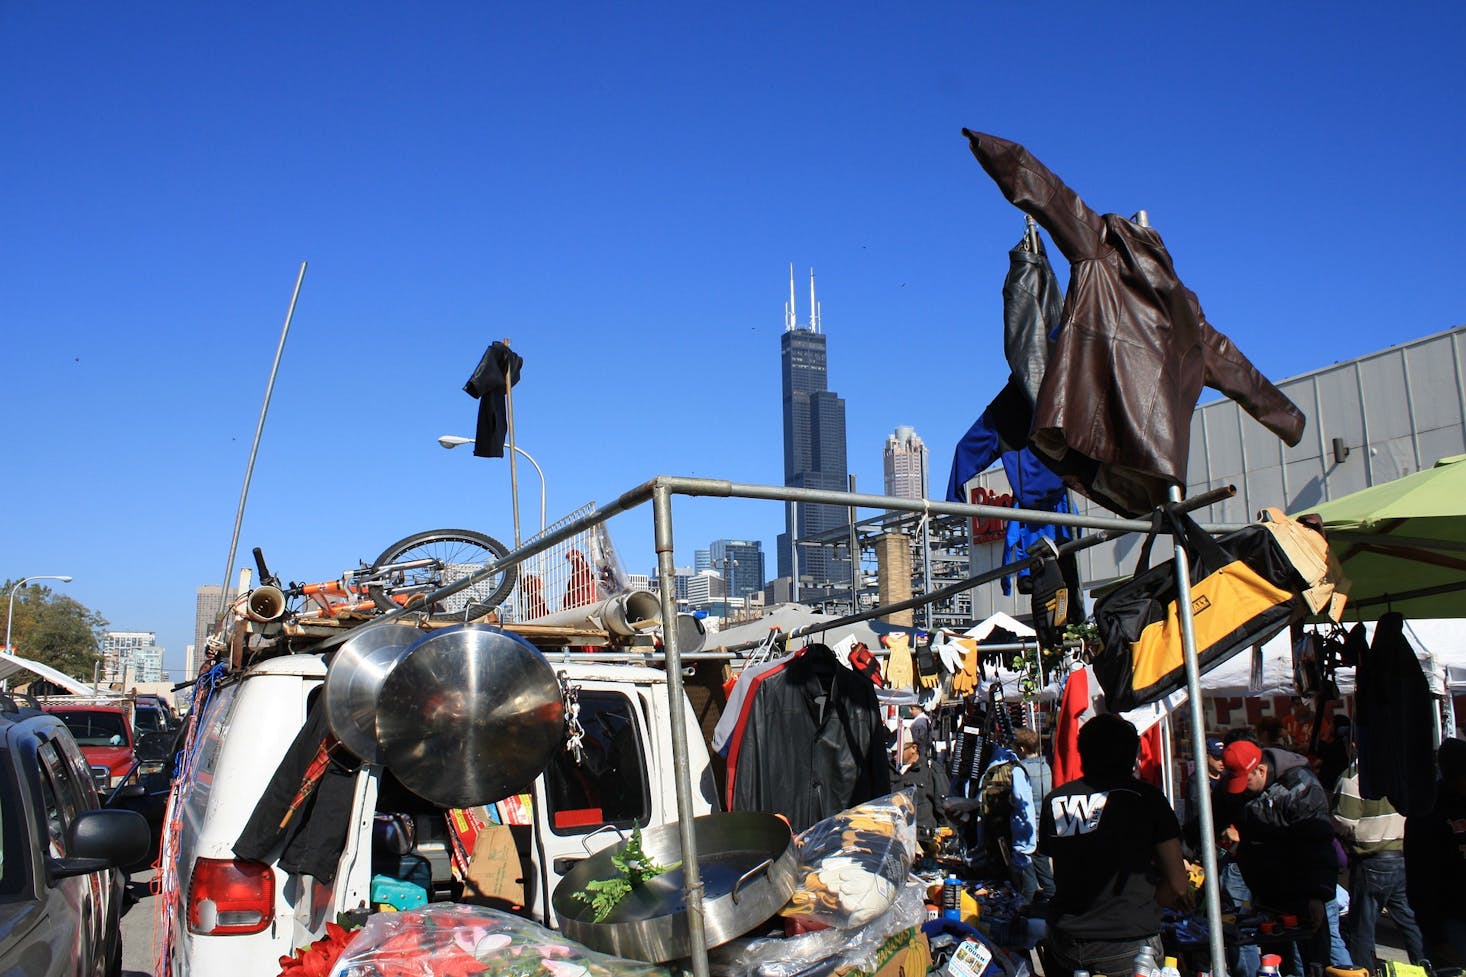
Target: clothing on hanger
[
  {"x": 1113, "y": 413},
  {"x": 814, "y": 742}
]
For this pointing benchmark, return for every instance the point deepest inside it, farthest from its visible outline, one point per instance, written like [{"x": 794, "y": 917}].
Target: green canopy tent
[{"x": 1403, "y": 544}]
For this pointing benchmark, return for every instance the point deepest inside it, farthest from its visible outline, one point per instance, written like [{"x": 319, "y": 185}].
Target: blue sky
[{"x": 620, "y": 189}]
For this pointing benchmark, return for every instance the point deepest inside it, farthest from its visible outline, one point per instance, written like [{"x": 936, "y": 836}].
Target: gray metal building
[{"x": 1370, "y": 420}]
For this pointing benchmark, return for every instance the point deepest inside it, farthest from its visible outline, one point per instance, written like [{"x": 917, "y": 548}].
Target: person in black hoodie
[
  {"x": 1435, "y": 861},
  {"x": 1284, "y": 838}
]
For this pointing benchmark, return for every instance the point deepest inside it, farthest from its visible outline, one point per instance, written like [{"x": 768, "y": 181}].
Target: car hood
[{"x": 115, "y": 758}]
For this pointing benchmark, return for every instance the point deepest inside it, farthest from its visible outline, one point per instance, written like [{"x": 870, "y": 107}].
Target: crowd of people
[{"x": 1296, "y": 840}]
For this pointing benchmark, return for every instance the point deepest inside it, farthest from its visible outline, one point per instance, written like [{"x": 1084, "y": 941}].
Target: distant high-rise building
[
  {"x": 741, "y": 563},
  {"x": 130, "y": 657},
  {"x": 703, "y": 588},
  {"x": 206, "y": 613},
  {"x": 190, "y": 662},
  {"x": 905, "y": 458},
  {"x": 702, "y": 560},
  {"x": 814, "y": 446}
]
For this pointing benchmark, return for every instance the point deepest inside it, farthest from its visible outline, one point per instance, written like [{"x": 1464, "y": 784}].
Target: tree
[{"x": 54, "y": 629}]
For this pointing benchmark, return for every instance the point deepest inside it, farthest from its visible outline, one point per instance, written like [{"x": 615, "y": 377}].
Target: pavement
[
  {"x": 138, "y": 921},
  {"x": 137, "y": 926}
]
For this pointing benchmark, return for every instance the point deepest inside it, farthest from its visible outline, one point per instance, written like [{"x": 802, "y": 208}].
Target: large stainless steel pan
[
  {"x": 469, "y": 715},
  {"x": 354, "y": 681},
  {"x": 747, "y": 863}
]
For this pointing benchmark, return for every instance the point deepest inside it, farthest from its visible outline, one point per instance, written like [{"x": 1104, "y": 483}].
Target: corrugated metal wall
[{"x": 1394, "y": 412}]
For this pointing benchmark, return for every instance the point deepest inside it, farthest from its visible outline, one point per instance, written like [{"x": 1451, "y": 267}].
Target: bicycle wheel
[{"x": 449, "y": 555}]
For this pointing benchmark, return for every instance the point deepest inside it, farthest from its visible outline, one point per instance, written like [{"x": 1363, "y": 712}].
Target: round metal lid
[
  {"x": 354, "y": 681},
  {"x": 469, "y": 715}
]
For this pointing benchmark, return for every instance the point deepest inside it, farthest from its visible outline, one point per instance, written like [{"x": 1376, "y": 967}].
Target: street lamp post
[
  {"x": 451, "y": 441},
  {"x": 729, "y": 565},
  {"x": 10, "y": 614}
]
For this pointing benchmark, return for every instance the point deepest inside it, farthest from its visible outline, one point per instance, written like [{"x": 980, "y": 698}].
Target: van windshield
[{"x": 94, "y": 728}]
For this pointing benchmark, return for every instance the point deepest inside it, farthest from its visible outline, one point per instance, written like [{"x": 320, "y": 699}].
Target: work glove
[
  {"x": 899, "y": 671},
  {"x": 862, "y": 661},
  {"x": 965, "y": 681},
  {"x": 926, "y": 664}
]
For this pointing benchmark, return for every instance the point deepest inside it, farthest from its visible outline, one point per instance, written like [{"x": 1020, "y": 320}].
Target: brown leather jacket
[{"x": 1134, "y": 350}]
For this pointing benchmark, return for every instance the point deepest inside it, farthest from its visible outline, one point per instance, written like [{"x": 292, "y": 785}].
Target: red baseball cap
[{"x": 1240, "y": 759}]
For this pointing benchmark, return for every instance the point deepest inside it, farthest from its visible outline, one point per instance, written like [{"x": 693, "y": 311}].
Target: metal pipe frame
[
  {"x": 659, "y": 491},
  {"x": 1211, "y": 891}
]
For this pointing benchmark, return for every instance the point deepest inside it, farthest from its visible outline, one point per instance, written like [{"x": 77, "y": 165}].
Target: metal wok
[{"x": 747, "y": 862}]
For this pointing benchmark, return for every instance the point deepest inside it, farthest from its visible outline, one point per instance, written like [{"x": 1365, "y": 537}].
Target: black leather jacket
[
  {"x": 814, "y": 743},
  {"x": 1113, "y": 414}
]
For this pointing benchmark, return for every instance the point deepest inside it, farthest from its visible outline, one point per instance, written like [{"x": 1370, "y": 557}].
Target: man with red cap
[{"x": 1284, "y": 838}]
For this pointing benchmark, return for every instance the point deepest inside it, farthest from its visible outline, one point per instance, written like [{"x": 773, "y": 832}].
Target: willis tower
[{"x": 814, "y": 447}]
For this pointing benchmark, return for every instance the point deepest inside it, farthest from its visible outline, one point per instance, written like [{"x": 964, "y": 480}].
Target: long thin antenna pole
[
  {"x": 791, "y": 318},
  {"x": 814, "y": 315},
  {"x": 255, "y": 448}
]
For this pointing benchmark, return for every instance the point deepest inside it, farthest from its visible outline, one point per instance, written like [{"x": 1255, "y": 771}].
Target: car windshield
[
  {"x": 94, "y": 728},
  {"x": 148, "y": 719}
]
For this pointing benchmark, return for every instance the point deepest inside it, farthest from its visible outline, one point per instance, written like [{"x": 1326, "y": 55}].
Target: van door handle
[{"x": 563, "y": 866}]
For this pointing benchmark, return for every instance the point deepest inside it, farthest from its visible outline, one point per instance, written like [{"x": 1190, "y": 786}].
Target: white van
[{"x": 230, "y": 916}]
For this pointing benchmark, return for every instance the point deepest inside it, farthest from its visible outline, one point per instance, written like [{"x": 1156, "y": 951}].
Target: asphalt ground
[
  {"x": 137, "y": 926},
  {"x": 138, "y": 921}
]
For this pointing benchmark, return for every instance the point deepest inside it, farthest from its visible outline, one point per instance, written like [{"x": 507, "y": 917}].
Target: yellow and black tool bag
[{"x": 1244, "y": 590}]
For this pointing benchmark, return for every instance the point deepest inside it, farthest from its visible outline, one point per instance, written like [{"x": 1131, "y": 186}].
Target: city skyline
[{"x": 619, "y": 193}]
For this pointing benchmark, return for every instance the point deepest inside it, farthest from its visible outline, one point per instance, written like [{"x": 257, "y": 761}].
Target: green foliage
[
  {"x": 1033, "y": 663},
  {"x": 635, "y": 866},
  {"x": 53, "y": 629}
]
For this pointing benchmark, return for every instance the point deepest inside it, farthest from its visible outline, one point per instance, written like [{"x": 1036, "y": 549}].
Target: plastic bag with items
[
  {"x": 832, "y": 950},
  {"x": 852, "y": 865},
  {"x": 450, "y": 940}
]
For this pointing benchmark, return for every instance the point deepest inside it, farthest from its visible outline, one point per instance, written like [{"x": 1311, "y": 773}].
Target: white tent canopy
[{"x": 13, "y": 665}]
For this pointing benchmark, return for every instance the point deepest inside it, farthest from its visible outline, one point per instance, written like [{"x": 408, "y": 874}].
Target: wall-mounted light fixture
[{"x": 1341, "y": 450}]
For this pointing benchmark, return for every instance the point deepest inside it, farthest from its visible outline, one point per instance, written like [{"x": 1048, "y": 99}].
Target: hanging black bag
[{"x": 1244, "y": 590}]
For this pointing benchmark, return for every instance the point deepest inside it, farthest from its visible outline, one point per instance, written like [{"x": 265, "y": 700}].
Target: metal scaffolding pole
[
  {"x": 1211, "y": 891},
  {"x": 691, "y": 871}
]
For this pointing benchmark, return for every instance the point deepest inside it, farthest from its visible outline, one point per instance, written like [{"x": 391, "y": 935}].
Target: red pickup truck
[{"x": 103, "y": 730}]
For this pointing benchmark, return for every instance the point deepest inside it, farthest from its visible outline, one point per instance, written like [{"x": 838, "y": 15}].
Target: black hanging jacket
[
  {"x": 315, "y": 836},
  {"x": 1113, "y": 415},
  {"x": 488, "y": 386},
  {"x": 814, "y": 743},
  {"x": 1394, "y": 728}
]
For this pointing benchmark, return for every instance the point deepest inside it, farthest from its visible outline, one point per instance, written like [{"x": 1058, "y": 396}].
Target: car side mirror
[{"x": 99, "y": 840}]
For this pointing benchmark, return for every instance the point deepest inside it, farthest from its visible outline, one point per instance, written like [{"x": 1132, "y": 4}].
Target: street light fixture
[
  {"x": 451, "y": 441},
  {"x": 10, "y": 614},
  {"x": 729, "y": 565}
]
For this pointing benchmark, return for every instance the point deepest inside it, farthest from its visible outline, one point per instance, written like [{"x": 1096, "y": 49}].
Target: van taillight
[{"x": 227, "y": 897}]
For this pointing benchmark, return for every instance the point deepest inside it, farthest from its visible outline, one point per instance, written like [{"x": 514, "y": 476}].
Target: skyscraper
[
  {"x": 131, "y": 657},
  {"x": 905, "y": 463},
  {"x": 206, "y": 614},
  {"x": 740, "y": 562},
  {"x": 814, "y": 445}
]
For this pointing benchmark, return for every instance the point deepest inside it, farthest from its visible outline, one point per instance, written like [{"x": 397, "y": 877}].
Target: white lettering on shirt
[{"x": 1077, "y": 814}]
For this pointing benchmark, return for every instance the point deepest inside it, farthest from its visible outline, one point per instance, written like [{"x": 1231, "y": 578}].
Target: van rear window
[{"x": 609, "y": 784}]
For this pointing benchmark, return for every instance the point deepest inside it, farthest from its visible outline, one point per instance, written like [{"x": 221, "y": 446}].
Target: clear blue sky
[{"x": 620, "y": 189}]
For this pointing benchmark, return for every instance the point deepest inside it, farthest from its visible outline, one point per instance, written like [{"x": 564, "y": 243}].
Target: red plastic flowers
[{"x": 317, "y": 959}]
